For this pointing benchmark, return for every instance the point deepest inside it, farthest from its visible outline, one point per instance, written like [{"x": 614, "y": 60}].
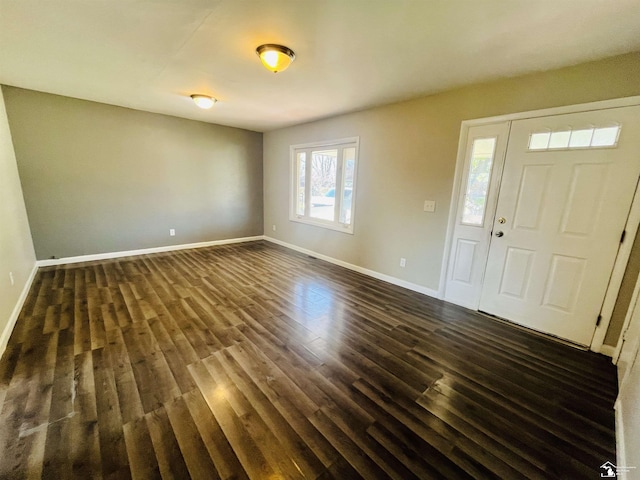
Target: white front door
[{"x": 567, "y": 186}]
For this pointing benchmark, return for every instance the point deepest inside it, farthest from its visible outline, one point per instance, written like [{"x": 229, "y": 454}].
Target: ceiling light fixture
[
  {"x": 275, "y": 58},
  {"x": 203, "y": 101}
]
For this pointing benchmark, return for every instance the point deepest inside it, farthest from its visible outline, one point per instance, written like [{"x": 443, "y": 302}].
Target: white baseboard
[
  {"x": 8, "y": 329},
  {"x": 371, "y": 273},
  {"x": 143, "y": 251},
  {"x": 6, "y": 333},
  {"x": 607, "y": 350}
]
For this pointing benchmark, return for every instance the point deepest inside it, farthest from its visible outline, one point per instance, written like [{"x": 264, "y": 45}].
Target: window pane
[
  {"x": 478, "y": 181},
  {"x": 560, "y": 139},
  {"x": 347, "y": 195},
  {"x": 581, "y": 138},
  {"x": 300, "y": 176},
  {"x": 539, "y": 141},
  {"x": 605, "y": 137},
  {"x": 323, "y": 184}
]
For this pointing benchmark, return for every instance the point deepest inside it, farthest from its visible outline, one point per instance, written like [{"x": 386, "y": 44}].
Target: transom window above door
[
  {"x": 323, "y": 181},
  {"x": 601, "y": 137}
]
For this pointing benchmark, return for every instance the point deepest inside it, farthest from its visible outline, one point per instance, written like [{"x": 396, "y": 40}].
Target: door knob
[{"x": 499, "y": 234}]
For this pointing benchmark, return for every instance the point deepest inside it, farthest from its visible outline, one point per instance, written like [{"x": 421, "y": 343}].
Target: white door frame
[
  {"x": 631, "y": 227},
  {"x": 633, "y": 305}
]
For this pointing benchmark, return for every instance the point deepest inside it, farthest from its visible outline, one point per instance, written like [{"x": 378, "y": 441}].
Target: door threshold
[{"x": 547, "y": 336}]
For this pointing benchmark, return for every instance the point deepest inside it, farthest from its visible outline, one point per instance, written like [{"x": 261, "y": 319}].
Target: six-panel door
[{"x": 567, "y": 186}]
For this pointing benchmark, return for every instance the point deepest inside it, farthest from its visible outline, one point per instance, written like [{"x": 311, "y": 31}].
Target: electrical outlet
[
  {"x": 429, "y": 206},
  {"x": 11, "y": 279},
  {"x": 403, "y": 262},
  {"x": 172, "y": 232},
  {"x": 273, "y": 227}
]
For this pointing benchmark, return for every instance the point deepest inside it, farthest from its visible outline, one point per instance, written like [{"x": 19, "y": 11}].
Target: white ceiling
[{"x": 351, "y": 54}]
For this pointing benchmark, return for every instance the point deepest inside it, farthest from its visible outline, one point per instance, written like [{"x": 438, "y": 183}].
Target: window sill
[{"x": 319, "y": 223}]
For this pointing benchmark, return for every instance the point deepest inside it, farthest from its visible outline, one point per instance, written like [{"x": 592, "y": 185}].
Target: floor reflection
[{"x": 319, "y": 309}]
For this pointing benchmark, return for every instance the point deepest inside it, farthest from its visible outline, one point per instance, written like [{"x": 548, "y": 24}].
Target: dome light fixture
[
  {"x": 203, "y": 101},
  {"x": 275, "y": 58}
]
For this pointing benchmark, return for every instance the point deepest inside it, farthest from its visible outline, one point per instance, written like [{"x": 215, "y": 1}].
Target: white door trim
[
  {"x": 633, "y": 304},
  {"x": 619, "y": 267},
  {"x": 632, "y": 223}
]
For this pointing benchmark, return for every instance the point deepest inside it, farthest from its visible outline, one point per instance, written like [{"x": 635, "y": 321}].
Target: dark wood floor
[{"x": 251, "y": 361}]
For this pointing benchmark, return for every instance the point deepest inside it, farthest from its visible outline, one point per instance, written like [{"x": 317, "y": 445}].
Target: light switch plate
[{"x": 429, "y": 205}]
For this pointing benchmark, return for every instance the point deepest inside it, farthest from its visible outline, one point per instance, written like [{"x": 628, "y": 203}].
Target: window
[
  {"x": 478, "y": 180},
  {"x": 580, "y": 138},
  {"x": 323, "y": 183}
]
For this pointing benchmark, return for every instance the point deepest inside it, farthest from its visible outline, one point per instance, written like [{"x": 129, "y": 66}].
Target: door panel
[
  {"x": 463, "y": 262},
  {"x": 516, "y": 272},
  {"x": 531, "y": 196},
  {"x": 585, "y": 197},
  {"x": 564, "y": 282},
  {"x": 564, "y": 210}
]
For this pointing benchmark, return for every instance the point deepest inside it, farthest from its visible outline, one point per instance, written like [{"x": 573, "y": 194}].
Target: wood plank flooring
[{"x": 252, "y": 361}]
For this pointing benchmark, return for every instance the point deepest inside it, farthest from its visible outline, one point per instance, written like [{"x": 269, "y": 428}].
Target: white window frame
[{"x": 340, "y": 144}]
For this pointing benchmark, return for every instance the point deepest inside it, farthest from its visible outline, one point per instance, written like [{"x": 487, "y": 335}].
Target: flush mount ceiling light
[
  {"x": 275, "y": 58},
  {"x": 203, "y": 101}
]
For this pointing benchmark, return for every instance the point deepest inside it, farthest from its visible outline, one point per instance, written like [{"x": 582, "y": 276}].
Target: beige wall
[
  {"x": 16, "y": 249},
  {"x": 99, "y": 178},
  {"x": 408, "y": 154}
]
